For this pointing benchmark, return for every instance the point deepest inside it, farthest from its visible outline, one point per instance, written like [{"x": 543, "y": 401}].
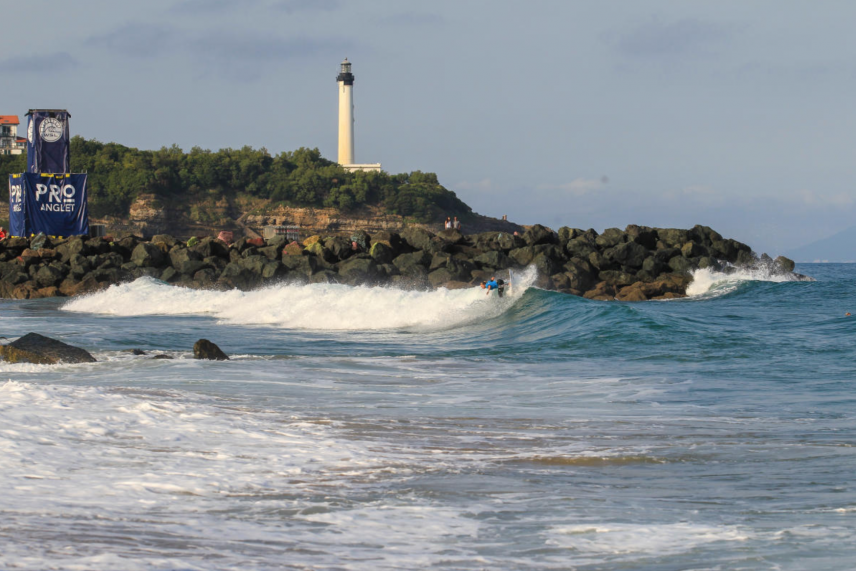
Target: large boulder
[
  {"x": 611, "y": 237},
  {"x": 581, "y": 246},
  {"x": 71, "y": 248},
  {"x": 417, "y": 238},
  {"x": 339, "y": 246},
  {"x": 673, "y": 237},
  {"x": 451, "y": 236},
  {"x": 41, "y": 350},
  {"x": 180, "y": 256},
  {"x": 415, "y": 263},
  {"x": 208, "y": 247},
  {"x": 681, "y": 265},
  {"x": 538, "y": 234},
  {"x": 693, "y": 250},
  {"x": 493, "y": 259},
  {"x": 642, "y": 235},
  {"x": 205, "y": 349},
  {"x": 630, "y": 254},
  {"x": 382, "y": 253},
  {"x": 359, "y": 270},
  {"x": 49, "y": 275},
  {"x": 148, "y": 255},
  {"x": 785, "y": 263}
]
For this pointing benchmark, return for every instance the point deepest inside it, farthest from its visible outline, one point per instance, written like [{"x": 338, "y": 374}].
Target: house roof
[
  {"x": 20, "y": 139},
  {"x": 9, "y": 120}
]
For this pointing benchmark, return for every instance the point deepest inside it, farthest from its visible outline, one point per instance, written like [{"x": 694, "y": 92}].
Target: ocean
[{"x": 373, "y": 428}]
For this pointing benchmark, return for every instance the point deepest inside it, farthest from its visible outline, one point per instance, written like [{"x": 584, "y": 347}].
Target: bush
[{"x": 118, "y": 174}]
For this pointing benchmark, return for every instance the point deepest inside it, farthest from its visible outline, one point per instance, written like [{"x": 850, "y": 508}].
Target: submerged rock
[
  {"x": 41, "y": 350},
  {"x": 205, "y": 349}
]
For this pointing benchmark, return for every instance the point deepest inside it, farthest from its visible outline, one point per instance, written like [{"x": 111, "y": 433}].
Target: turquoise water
[{"x": 359, "y": 428}]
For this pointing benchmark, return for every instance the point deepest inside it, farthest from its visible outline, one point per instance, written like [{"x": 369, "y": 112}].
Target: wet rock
[
  {"x": 162, "y": 356},
  {"x": 786, "y": 264},
  {"x": 382, "y": 253},
  {"x": 41, "y": 350},
  {"x": 359, "y": 271},
  {"x": 205, "y": 349},
  {"x": 148, "y": 255}
]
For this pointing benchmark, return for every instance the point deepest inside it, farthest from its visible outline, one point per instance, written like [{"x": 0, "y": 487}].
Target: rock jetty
[{"x": 634, "y": 264}]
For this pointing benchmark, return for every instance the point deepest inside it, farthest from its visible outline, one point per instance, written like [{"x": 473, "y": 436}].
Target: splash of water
[
  {"x": 708, "y": 282},
  {"x": 314, "y": 306}
]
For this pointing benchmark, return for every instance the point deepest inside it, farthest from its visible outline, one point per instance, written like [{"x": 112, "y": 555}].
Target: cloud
[
  {"x": 578, "y": 186},
  {"x": 201, "y": 7},
  {"x": 294, "y": 6},
  {"x": 414, "y": 19},
  {"x": 48, "y": 63},
  {"x": 237, "y": 55},
  {"x": 248, "y": 56},
  {"x": 656, "y": 38},
  {"x": 135, "y": 39}
]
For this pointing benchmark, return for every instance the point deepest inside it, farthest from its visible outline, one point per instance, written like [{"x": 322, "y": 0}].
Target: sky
[{"x": 733, "y": 114}]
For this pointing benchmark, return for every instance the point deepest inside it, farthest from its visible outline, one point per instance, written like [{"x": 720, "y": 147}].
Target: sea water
[{"x": 374, "y": 428}]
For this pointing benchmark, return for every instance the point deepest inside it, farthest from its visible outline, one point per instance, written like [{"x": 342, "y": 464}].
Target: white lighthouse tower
[{"x": 345, "y": 79}]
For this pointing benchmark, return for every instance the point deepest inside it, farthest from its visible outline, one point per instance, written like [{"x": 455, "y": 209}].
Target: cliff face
[{"x": 150, "y": 215}]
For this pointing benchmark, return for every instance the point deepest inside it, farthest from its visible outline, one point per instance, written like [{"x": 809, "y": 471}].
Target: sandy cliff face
[{"x": 199, "y": 216}]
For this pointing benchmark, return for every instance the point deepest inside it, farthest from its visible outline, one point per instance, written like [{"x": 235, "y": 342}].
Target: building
[
  {"x": 345, "y": 79},
  {"x": 10, "y": 142}
]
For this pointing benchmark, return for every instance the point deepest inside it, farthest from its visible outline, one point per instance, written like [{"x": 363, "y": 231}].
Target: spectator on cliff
[
  {"x": 448, "y": 223},
  {"x": 2, "y": 234},
  {"x": 456, "y": 224}
]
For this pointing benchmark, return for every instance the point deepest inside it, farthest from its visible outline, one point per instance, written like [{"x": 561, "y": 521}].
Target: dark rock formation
[
  {"x": 41, "y": 350},
  {"x": 205, "y": 349},
  {"x": 636, "y": 263}
]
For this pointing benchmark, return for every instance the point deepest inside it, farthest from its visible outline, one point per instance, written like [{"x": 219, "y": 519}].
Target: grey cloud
[
  {"x": 293, "y": 6},
  {"x": 135, "y": 39},
  {"x": 246, "y": 56},
  {"x": 414, "y": 19},
  {"x": 657, "y": 38},
  {"x": 201, "y": 7},
  {"x": 48, "y": 63}
]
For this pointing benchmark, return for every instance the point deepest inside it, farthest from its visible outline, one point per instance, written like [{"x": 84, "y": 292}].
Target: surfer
[{"x": 494, "y": 284}]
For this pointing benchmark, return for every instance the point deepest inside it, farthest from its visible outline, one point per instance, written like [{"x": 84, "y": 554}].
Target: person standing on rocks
[
  {"x": 448, "y": 223},
  {"x": 456, "y": 224}
]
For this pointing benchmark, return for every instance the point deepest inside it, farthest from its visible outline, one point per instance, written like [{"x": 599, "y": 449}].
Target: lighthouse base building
[{"x": 345, "y": 79}]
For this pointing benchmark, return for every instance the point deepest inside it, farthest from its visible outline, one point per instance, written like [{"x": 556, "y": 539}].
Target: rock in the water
[
  {"x": 205, "y": 349},
  {"x": 41, "y": 350},
  {"x": 162, "y": 356},
  {"x": 786, "y": 263}
]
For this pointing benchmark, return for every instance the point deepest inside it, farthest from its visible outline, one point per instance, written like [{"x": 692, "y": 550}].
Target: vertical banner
[
  {"x": 48, "y": 141},
  {"x": 17, "y": 205},
  {"x": 56, "y": 204}
]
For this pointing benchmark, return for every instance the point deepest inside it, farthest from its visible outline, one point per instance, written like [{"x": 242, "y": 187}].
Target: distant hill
[{"x": 840, "y": 247}]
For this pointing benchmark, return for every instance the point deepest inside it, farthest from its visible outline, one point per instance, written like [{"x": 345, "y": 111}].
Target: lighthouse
[{"x": 345, "y": 81}]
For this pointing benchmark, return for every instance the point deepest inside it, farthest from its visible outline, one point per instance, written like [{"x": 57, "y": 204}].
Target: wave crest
[
  {"x": 314, "y": 306},
  {"x": 708, "y": 282}
]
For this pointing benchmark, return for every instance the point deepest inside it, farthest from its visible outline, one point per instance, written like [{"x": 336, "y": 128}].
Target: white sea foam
[
  {"x": 84, "y": 469},
  {"x": 639, "y": 539},
  {"x": 708, "y": 282},
  {"x": 315, "y": 306}
]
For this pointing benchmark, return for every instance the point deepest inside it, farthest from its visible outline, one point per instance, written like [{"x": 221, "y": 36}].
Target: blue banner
[
  {"x": 56, "y": 204},
  {"x": 17, "y": 205},
  {"x": 48, "y": 141}
]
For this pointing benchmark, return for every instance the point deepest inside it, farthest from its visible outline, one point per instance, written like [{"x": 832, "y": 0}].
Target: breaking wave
[
  {"x": 314, "y": 306},
  {"x": 710, "y": 283}
]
